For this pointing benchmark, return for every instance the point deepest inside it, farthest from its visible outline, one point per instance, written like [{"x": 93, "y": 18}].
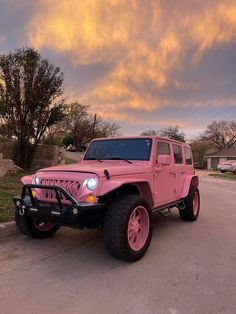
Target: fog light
[{"x": 90, "y": 198}]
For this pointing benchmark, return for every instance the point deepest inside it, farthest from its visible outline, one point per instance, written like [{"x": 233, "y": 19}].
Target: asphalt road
[{"x": 189, "y": 268}]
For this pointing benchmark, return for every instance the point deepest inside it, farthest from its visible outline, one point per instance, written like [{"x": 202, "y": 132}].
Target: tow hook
[{"x": 22, "y": 210}]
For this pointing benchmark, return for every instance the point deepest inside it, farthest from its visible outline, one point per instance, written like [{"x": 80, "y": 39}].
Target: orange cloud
[
  {"x": 91, "y": 30},
  {"x": 216, "y": 25},
  {"x": 142, "y": 40}
]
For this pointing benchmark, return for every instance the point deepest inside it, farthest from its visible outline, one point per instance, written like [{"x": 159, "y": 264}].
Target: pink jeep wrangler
[{"x": 118, "y": 185}]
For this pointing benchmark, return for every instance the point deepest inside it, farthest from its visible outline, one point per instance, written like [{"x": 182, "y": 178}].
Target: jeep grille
[{"x": 72, "y": 187}]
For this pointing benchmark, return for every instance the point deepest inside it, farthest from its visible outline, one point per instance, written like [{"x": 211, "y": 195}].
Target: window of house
[
  {"x": 177, "y": 154},
  {"x": 188, "y": 156}
]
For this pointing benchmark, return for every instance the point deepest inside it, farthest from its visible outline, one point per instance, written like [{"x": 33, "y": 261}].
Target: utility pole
[{"x": 94, "y": 124}]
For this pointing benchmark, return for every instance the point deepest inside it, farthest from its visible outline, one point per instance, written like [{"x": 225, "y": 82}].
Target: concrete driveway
[{"x": 189, "y": 268}]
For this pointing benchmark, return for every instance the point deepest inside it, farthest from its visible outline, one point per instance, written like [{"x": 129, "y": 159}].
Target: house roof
[{"x": 228, "y": 152}]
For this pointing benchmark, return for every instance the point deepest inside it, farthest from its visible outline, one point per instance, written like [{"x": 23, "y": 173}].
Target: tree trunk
[{"x": 23, "y": 153}]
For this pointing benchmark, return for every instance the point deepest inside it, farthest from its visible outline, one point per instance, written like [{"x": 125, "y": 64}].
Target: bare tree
[
  {"x": 149, "y": 133},
  {"x": 222, "y": 134},
  {"x": 107, "y": 129},
  {"x": 199, "y": 148},
  {"x": 30, "y": 99},
  {"x": 78, "y": 125},
  {"x": 173, "y": 133},
  {"x": 5, "y": 131}
]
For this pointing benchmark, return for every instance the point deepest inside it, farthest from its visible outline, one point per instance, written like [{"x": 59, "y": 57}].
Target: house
[
  {"x": 221, "y": 155},
  {"x": 199, "y": 157}
]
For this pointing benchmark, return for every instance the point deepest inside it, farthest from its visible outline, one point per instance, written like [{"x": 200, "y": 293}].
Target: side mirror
[{"x": 164, "y": 160}]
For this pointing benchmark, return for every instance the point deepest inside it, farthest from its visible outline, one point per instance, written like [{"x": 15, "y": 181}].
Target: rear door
[
  {"x": 164, "y": 180},
  {"x": 188, "y": 160},
  {"x": 179, "y": 169}
]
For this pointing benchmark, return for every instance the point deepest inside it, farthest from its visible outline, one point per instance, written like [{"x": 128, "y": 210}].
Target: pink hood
[{"x": 114, "y": 167}]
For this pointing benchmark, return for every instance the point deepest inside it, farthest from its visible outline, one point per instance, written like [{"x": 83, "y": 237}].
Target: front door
[{"x": 164, "y": 180}]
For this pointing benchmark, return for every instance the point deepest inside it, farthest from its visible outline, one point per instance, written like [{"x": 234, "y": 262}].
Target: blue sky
[{"x": 143, "y": 64}]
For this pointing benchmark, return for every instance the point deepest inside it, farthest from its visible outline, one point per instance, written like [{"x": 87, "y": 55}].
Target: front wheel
[
  {"x": 192, "y": 205},
  {"x": 223, "y": 171},
  {"x": 128, "y": 228},
  {"x": 35, "y": 228}
]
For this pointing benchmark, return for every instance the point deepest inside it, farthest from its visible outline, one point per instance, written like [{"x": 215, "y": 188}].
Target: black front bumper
[{"x": 73, "y": 214}]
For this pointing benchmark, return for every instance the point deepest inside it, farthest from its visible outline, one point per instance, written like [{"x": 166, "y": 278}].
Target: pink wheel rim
[
  {"x": 195, "y": 203},
  {"x": 138, "y": 228},
  {"x": 42, "y": 225}
]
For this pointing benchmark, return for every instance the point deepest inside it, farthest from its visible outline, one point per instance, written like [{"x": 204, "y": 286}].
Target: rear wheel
[
  {"x": 128, "y": 228},
  {"x": 223, "y": 171},
  {"x": 35, "y": 228},
  {"x": 192, "y": 205}
]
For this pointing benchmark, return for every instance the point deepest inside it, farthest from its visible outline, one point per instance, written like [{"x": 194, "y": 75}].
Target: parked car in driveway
[
  {"x": 229, "y": 165},
  {"x": 71, "y": 148}
]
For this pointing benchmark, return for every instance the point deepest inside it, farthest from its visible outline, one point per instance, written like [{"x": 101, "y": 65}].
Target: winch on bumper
[{"x": 73, "y": 214}]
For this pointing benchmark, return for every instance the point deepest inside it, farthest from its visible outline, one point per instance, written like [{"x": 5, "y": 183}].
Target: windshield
[{"x": 126, "y": 149}]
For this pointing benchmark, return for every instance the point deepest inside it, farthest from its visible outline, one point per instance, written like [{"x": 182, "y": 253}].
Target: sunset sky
[{"x": 142, "y": 63}]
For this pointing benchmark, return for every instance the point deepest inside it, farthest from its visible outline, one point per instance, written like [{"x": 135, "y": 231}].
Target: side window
[
  {"x": 177, "y": 154},
  {"x": 188, "y": 156},
  {"x": 163, "y": 148}
]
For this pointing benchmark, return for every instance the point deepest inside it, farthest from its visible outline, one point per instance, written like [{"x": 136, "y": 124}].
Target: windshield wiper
[
  {"x": 120, "y": 158},
  {"x": 93, "y": 158}
]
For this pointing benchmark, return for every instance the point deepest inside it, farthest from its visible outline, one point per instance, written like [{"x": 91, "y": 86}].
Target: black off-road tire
[
  {"x": 188, "y": 213},
  {"x": 223, "y": 171},
  {"x": 27, "y": 227},
  {"x": 116, "y": 225}
]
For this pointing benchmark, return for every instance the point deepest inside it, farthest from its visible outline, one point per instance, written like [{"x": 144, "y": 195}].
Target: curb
[{"x": 7, "y": 228}]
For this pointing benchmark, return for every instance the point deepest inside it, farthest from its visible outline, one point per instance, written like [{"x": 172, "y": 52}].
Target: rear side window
[
  {"x": 188, "y": 156},
  {"x": 163, "y": 148},
  {"x": 177, "y": 154}
]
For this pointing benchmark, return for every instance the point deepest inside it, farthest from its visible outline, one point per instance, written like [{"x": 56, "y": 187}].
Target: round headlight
[
  {"x": 36, "y": 180},
  {"x": 92, "y": 183}
]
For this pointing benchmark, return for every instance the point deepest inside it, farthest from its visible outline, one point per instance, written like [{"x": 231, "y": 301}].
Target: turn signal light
[{"x": 90, "y": 198}]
